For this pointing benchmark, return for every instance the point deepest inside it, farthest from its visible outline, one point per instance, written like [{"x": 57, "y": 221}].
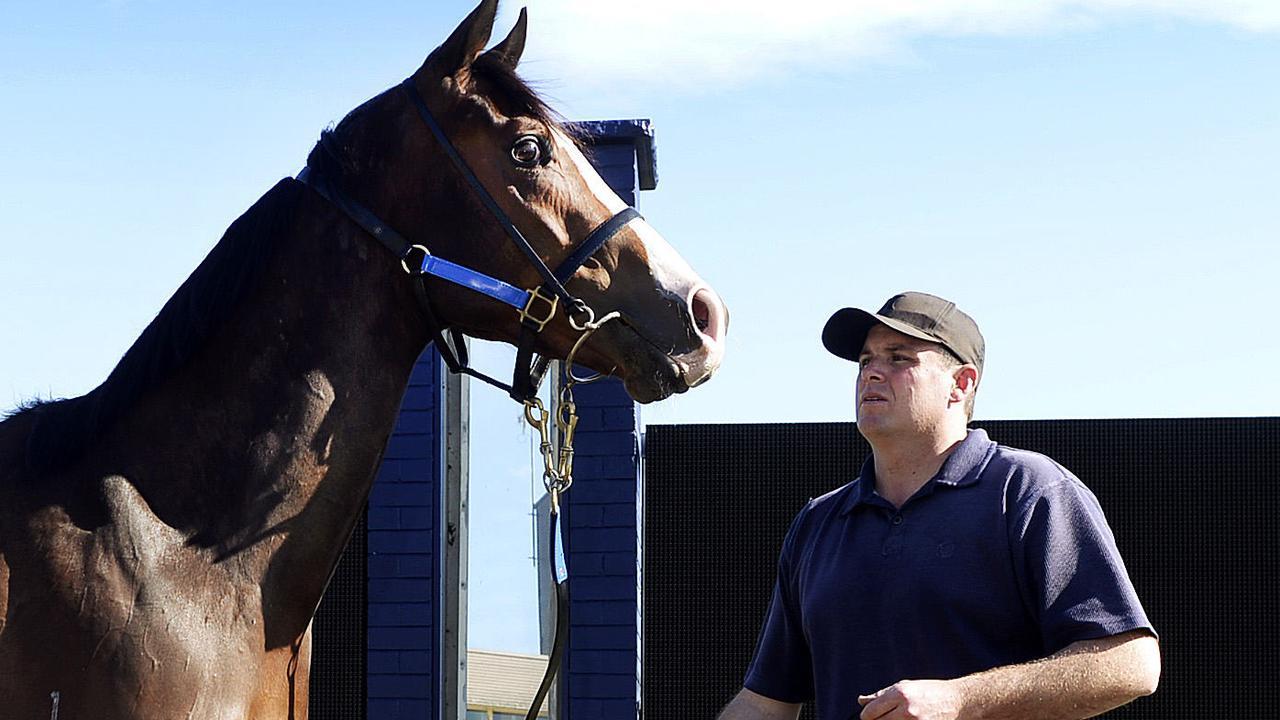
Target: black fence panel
[
  {"x": 1194, "y": 504},
  {"x": 338, "y": 631}
]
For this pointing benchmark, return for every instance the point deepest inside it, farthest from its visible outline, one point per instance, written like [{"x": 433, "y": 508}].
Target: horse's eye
[{"x": 527, "y": 152}]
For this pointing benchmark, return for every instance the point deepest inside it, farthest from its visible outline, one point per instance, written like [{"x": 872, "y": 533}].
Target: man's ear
[
  {"x": 466, "y": 43},
  {"x": 965, "y": 382}
]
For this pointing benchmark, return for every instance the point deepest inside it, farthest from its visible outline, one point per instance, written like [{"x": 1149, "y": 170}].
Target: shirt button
[{"x": 897, "y": 519}]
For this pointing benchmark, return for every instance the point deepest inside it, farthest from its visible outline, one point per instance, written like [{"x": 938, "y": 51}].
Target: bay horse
[{"x": 166, "y": 538}]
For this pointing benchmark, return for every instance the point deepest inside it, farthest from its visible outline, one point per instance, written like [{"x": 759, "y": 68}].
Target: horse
[{"x": 166, "y": 538}]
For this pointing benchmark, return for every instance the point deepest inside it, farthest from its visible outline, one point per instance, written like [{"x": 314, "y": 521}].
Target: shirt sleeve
[
  {"x": 781, "y": 668},
  {"x": 1079, "y": 587}
]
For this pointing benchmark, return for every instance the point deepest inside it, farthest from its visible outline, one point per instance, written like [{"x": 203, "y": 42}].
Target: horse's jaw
[{"x": 650, "y": 375}]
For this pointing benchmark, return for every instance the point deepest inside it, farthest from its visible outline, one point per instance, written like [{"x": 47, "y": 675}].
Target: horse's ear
[
  {"x": 512, "y": 47},
  {"x": 466, "y": 42}
]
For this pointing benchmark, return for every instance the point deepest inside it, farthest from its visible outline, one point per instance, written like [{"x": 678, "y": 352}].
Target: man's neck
[{"x": 904, "y": 464}]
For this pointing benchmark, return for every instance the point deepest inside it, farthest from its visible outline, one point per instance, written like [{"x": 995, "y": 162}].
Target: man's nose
[{"x": 872, "y": 371}]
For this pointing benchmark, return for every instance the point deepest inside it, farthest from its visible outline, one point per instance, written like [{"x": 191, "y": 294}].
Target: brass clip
[{"x": 526, "y": 313}]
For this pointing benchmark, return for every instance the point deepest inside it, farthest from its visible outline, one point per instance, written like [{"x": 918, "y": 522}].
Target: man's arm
[
  {"x": 1084, "y": 679},
  {"x": 747, "y": 705}
]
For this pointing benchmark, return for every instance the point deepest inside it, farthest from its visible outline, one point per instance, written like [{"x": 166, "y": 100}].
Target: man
[{"x": 955, "y": 578}]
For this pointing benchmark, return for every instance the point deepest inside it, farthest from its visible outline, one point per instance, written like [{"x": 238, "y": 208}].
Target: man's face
[{"x": 903, "y": 386}]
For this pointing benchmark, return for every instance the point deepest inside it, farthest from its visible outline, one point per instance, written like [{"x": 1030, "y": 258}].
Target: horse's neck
[{"x": 264, "y": 447}]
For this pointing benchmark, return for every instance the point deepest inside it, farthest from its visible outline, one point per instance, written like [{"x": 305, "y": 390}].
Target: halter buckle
[
  {"x": 404, "y": 258},
  {"x": 549, "y": 302}
]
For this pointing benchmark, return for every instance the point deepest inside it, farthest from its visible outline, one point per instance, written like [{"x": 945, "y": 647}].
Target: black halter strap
[
  {"x": 448, "y": 341},
  {"x": 552, "y": 281},
  {"x": 536, "y": 307}
]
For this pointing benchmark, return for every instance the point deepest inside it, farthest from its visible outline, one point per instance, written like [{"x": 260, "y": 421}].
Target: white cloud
[{"x": 689, "y": 43}]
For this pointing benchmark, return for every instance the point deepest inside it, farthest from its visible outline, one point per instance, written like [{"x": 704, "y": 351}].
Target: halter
[{"x": 535, "y": 308}]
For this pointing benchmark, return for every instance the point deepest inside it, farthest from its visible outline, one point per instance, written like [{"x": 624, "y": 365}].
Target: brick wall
[
  {"x": 600, "y": 513},
  {"x": 403, "y": 551}
]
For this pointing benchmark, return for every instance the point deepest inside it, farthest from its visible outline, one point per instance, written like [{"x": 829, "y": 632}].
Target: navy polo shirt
[{"x": 1003, "y": 557}]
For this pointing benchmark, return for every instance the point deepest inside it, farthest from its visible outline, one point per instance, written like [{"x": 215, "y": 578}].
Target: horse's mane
[
  {"x": 65, "y": 429},
  {"x": 514, "y": 96}
]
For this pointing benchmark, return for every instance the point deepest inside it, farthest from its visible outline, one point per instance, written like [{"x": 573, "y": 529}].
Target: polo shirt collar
[
  {"x": 961, "y": 468},
  {"x": 965, "y": 463}
]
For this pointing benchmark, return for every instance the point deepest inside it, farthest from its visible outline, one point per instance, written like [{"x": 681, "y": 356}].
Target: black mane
[{"x": 66, "y": 429}]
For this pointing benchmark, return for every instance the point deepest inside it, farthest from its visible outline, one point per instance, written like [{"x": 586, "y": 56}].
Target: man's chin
[{"x": 873, "y": 425}]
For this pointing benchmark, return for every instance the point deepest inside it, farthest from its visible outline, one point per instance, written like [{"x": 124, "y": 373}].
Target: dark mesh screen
[
  {"x": 1193, "y": 504},
  {"x": 338, "y": 657}
]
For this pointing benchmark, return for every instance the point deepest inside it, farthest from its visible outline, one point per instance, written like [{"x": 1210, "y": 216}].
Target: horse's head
[{"x": 672, "y": 328}]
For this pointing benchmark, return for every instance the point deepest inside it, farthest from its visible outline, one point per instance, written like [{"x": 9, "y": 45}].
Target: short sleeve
[
  {"x": 782, "y": 668},
  {"x": 1067, "y": 556}
]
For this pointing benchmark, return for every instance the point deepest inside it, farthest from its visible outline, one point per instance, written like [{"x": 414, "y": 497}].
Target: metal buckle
[
  {"x": 552, "y": 302},
  {"x": 404, "y": 258},
  {"x": 582, "y": 309}
]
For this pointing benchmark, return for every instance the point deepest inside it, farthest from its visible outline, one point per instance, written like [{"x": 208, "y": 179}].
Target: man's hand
[
  {"x": 1082, "y": 680},
  {"x": 913, "y": 700}
]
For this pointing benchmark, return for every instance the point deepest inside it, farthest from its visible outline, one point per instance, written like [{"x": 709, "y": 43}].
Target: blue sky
[{"x": 1094, "y": 181}]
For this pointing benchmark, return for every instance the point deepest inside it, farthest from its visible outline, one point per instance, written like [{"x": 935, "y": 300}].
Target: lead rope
[{"x": 557, "y": 476}]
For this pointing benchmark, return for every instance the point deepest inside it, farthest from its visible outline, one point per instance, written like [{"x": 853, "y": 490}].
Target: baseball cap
[{"x": 917, "y": 314}]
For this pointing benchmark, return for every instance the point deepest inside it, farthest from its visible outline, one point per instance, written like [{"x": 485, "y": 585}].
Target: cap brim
[{"x": 846, "y": 331}]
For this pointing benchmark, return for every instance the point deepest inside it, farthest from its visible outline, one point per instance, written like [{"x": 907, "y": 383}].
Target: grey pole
[{"x": 456, "y": 417}]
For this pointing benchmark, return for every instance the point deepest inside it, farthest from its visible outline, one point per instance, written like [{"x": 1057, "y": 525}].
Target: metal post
[{"x": 456, "y": 414}]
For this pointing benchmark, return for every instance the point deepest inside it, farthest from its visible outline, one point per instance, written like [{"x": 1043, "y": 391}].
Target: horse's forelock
[{"x": 512, "y": 94}]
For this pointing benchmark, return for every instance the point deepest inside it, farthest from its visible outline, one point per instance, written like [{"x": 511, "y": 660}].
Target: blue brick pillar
[
  {"x": 403, "y": 550},
  {"x": 601, "y": 511}
]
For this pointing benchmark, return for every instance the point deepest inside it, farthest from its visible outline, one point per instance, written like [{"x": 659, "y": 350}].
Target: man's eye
[{"x": 527, "y": 151}]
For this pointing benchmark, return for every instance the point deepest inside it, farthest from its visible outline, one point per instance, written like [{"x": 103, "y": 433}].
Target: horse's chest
[{"x": 140, "y": 624}]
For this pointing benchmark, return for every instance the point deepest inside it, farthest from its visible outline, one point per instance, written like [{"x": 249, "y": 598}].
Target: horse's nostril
[
  {"x": 704, "y": 306},
  {"x": 701, "y": 314}
]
